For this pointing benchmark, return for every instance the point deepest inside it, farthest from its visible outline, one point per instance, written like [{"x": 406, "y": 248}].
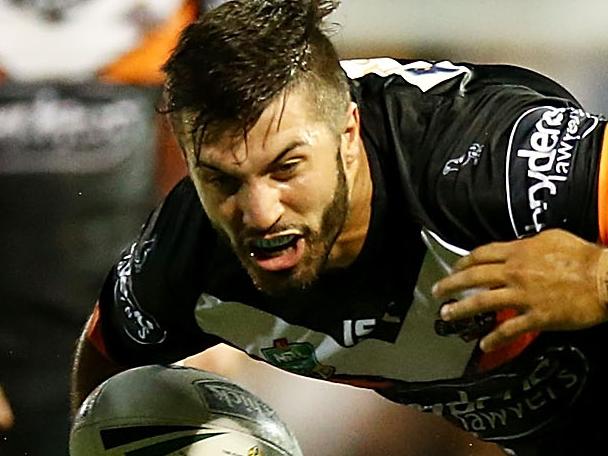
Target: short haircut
[{"x": 229, "y": 65}]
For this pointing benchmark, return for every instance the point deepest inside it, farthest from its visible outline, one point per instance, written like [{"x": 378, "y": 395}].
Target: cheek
[{"x": 311, "y": 193}]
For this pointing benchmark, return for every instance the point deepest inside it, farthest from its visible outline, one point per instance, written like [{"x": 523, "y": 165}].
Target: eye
[
  {"x": 286, "y": 170},
  {"x": 222, "y": 182}
]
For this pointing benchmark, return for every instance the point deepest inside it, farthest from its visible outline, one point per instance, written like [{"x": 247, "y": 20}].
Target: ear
[{"x": 351, "y": 141}]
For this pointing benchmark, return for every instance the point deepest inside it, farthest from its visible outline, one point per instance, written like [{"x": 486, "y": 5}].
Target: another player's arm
[
  {"x": 554, "y": 280},
  {"x": 90, "y": 367}
]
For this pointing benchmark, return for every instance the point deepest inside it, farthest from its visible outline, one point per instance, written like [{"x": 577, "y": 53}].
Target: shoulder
[
  {"x": 162, "y": 258},
  {"x": 181, "y": 197},
  {"x": 443, "y": 77},
  {"x": 147, "y": 301}
]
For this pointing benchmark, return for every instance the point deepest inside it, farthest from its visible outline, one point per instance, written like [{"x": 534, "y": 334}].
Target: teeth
[{"x": 273, "y": 243}]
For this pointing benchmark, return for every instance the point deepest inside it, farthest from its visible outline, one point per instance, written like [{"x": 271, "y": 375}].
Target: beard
[{"x": 317, "y": 248}]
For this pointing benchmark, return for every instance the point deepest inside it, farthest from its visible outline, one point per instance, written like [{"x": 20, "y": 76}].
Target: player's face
[{"x": 281, "y": 196}]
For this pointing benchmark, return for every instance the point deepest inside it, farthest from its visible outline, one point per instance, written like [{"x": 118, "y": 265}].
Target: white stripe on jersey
[
  {"x": 418, "y": 354},
  {"x": 422, "y": 74}
]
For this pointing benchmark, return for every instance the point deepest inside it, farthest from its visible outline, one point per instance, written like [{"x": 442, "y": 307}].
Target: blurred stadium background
[{"x": 83, "y": 158}]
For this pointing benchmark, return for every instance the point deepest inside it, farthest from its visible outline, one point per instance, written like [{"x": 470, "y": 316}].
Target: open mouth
[
  {"x": 273, "y": 246},
  {"x": 278, "y": 252}
]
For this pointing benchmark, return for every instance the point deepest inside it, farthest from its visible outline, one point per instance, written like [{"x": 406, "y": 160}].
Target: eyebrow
[{"x": 290, "y": 146}]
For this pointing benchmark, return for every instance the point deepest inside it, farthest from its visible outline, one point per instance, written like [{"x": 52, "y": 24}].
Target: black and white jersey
[{"x": 460, "y": 155}]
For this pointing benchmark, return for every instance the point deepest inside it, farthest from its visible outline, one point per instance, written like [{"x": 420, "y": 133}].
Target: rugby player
[{"x": 328, "y": 203}]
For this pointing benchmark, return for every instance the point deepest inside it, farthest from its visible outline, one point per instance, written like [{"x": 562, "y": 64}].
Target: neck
[{"x": 350, "y": 242}]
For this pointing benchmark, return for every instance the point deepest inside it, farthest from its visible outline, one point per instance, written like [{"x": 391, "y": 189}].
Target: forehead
[{"x": 287, "y": 119}]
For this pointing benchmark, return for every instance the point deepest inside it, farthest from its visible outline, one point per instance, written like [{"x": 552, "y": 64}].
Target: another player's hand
[
  {"x": 6, "y": 414},
  {"x": 553, "y": 280}
]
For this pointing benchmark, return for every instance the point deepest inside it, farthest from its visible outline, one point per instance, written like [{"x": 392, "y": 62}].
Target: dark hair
[{"x": 230, "y": 64}]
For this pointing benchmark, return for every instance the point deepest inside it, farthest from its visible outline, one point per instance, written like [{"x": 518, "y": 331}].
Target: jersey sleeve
[
  {"x": 145, "y": 312},
  {"x": 485, "y": 152}
]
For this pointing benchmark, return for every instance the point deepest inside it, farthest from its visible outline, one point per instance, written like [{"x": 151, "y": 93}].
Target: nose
[{"x": 260, "y": 205}]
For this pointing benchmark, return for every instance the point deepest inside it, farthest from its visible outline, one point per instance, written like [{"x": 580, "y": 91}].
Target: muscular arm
[{"x": 90, "y": 368}]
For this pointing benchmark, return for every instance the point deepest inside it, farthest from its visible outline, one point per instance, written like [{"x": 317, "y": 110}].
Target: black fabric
[{"x": 417, "y": 133}]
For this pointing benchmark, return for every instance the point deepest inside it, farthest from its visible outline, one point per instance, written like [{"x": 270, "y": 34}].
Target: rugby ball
[{"x": 161, "y": 410}]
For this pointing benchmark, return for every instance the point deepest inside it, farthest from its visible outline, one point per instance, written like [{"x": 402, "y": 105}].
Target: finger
[
  {"x": 479, "y": 302},
  {"x": 482, "y": 276},
  {"x": 495, "y": 252},
  {"x": 506, "y": 332}
]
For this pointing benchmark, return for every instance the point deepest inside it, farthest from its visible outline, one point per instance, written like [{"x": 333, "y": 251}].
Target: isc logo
[{"x": 354, "y": 330}]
